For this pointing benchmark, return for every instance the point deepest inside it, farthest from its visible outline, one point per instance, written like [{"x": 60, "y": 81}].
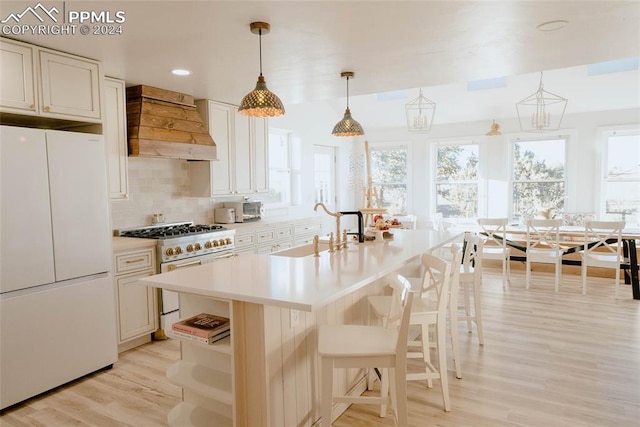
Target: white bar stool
[{"x": 358, "y": 346}]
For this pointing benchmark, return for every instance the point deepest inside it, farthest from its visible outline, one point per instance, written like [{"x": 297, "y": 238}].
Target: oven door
[{"x": 169, "y": 303}]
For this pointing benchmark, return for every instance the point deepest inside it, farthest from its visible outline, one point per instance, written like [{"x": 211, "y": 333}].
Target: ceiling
[{"x": 390, "y": 45}]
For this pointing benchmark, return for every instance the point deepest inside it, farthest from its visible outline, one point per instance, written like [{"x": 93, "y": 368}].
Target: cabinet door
[
  {"x": 136, "y": 307},
  {"x": 17, "y": 82},
  {"x": 261, "y": 155},
  {"x": 70, "y": 86},
  {"x": 219, "y": 120},
  {"x": 115, "y": 137},
  {"x": 26, "y": 247},
  {"x": 243, "y": 155},
  {"x": 79, "y": 204}
]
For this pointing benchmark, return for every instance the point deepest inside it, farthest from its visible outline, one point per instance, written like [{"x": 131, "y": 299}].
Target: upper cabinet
[
  {"x": 115, "y": 135},
  {"x": 17, "y": 83},
  {"x": 46, "y": 83},
  {"x": 242, "y": 167}
]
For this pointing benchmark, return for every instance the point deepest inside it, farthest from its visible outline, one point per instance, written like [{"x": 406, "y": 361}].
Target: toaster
[{"x": 224, "y": 215}]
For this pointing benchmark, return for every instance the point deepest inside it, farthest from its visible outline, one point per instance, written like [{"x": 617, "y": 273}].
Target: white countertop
[
  {"x": 270, "y": 222},
  {"x": 302, "y": 283},
  {"x": 128, "y": 243}
]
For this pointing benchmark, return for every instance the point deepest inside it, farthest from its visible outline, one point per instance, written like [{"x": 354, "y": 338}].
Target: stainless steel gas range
[{"x": 182, "y": 245}]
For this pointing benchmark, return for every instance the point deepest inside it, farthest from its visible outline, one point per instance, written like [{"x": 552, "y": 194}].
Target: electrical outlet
[{"x": 294, "y": 318}]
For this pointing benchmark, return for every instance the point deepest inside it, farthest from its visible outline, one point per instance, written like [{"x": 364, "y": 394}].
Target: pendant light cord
[
  {"x": 260, "y": 38},
  {"x": 347, "y": 92}
]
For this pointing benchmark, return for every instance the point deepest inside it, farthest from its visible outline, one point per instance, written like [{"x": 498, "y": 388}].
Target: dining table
[{"x": 572, "y": 241}]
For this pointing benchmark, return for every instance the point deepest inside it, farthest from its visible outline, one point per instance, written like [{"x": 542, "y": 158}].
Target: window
[
  {"x": 622, "y": 176},
  {"x": 457, "y": 180},
  {"x": 279, "y": 168},
  {"x": 389, "y": 176},
  {"x": 538, "y": 177},
  {"x": 324, "y": 165}
]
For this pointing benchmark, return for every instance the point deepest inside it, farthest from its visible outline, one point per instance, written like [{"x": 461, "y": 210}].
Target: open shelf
[
  {"x": 206, "y": 381},
  {"x": 222, "y": 346}
]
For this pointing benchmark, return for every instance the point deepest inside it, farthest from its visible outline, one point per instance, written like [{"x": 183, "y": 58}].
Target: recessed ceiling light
[
  {"x": 179, "y": 72},
  {"x": 552, "y": 25}
]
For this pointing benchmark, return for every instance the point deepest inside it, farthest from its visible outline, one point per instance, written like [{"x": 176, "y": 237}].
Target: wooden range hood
[{"x": 162, "y": 123}]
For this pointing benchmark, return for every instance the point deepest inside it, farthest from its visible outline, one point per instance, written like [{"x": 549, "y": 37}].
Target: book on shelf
[
  {"x": 202, "y": 325},
  {"x": 202, "y": 340}
]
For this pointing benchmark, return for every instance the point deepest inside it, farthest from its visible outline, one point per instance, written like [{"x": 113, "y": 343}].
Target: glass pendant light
[
  {"x": 541, "y": 111},
  {"x": 261, "y": 102},
  {"x": 347, "y": 126}
]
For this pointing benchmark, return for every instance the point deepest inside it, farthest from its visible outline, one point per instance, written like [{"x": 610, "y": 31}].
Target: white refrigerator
[{"x": 57, "y": 304}]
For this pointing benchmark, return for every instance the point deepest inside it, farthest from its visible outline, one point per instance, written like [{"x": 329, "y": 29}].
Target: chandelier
[
  {"x": 420, "y": 113},
  {"x": 541, "y": 111}
]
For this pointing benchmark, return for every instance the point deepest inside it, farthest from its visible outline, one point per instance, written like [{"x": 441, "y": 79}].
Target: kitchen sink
[{"x": 302, "y": 251}]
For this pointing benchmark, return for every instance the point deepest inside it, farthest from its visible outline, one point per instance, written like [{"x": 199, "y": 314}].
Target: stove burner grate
[{"x": 172, "y": 231}]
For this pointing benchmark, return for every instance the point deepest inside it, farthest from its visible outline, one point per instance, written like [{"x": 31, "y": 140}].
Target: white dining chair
[
  {"x": 361, "y": 346},
  {"x": 470, "y": 280},
  {"x": 495, "y": 247},
  {"x": 602, "y": 248},
  {"x": 543, "y": 246}
]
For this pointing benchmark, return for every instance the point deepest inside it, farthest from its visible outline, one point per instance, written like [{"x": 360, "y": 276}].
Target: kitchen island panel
[{"x": 278, "y": 303}]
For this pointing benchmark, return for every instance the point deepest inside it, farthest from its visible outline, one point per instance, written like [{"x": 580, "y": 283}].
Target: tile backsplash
[{"x": 159, "y": 186}]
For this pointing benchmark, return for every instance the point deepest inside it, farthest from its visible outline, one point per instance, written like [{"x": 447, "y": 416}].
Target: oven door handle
[
  {"x": 229, "y": 255},
  {"x": 187, "y": 264}
]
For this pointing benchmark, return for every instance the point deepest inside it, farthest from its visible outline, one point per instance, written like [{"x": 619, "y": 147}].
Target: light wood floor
[{"x": 549, "y": 360}]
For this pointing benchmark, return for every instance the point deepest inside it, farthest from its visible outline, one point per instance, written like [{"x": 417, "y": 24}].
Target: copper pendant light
[
  {"x": 261, "y": 102},
  {"x": 347, "y": 126}
]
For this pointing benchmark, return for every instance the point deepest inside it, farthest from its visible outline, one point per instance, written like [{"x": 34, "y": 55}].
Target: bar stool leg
[{"x": 327, "y": 391}]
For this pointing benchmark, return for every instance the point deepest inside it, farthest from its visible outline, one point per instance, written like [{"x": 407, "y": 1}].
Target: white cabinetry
[
  {"x": 205, "y": 372},
  {"x": 67, "y": 87},
  {"x": 276, "y": 236},
  {"x": 305, "y": 230},
  {"x": 137, "y": 305},
  {"x": 242, "y": 167},
  {"x": 115, "y": 135},
  {"x": 17, "y": 83},
  {"x": 274, "y": 239}
]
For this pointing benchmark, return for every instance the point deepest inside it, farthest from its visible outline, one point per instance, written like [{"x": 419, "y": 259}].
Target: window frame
[
  {"x": 604, "y": 134},
  {"x": 480, "y": 174},
  {"x": 289, "y": 169},
  {"x": 521, "y": 137},
  {"x": 390, "y": 145}
]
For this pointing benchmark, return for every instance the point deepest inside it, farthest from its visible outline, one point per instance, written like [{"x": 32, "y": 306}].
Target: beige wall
[{"x": 159, "y": 186}]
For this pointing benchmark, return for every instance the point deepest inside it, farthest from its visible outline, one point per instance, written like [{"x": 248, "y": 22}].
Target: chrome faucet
[
  {"x": 337, "y": 215},
  {"x": 360, "y": 232}
]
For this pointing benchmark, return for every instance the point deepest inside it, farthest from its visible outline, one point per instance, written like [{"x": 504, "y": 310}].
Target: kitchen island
[{"x": 266, "y": 372}]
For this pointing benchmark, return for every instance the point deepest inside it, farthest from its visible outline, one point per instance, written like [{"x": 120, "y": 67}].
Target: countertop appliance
[
  {"x": 57, "y": 304},
  {"x": 246, "y": 211},
  {"x": 182, "y": 245},
  {"x": 224, "y": 215}
]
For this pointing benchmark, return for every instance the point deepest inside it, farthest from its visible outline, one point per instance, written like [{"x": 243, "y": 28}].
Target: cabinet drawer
[
  {"x": 304, "y": 240},
  {"x": 134, "y": 261},
  {"x": 265, "y": 236},
  {"x": 308, "y": 228},
  {"x": 243, "y": 240},
  {"x": 284, "y": 233}
]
